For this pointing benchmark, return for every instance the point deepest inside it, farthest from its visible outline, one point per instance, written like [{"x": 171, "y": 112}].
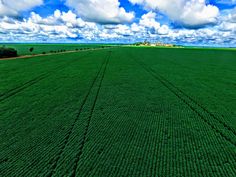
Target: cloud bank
[
  {"x": 190, "y": 13},
  {"x": 92, "y": 21},
  {"x": 105, "y": 11},
  {"x": 13, "y": 7}
]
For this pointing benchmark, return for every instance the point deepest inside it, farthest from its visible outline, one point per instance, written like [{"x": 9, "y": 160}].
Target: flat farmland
[
  {"x": 24, "y": 49},
  {"x": 127, "y": 111}
]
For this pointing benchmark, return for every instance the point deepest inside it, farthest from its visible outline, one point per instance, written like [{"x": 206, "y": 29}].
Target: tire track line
[
  {"x": 78, "y": 155},
  {"x": 183, "y": 66},
  {"x": 16, "y": 90},
  {"x": 53, "y": 170},
  {"x": 187, "y": 100},
  {"x": 199, "y": 105},
  {"x": 37, "y": 79}
]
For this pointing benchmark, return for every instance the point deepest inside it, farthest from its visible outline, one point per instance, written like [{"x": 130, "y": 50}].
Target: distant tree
[
  {"x": 7, "y": 52},
  {"x": 43, "y": 52},
  {"x": 31, "y": 49}
]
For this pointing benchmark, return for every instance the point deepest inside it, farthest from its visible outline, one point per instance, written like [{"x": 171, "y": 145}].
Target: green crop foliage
[
  {"x": 127, "y": 111},
  {"x": 24, "y": 49}
]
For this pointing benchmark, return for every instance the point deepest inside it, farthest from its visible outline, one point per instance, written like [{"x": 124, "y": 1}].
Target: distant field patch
[{"x": 29, "y": 49}]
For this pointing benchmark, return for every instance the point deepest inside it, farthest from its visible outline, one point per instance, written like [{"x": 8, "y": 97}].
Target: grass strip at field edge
[{"x": 48, "y": 54}]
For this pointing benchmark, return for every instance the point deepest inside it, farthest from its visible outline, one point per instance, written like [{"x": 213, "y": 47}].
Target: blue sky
[{"x": 185, "y": 22}]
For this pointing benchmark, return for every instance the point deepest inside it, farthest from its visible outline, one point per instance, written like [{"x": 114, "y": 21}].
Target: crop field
[
  {"x": 124, "y": 111},
  {"x": 24, "y": 49}
]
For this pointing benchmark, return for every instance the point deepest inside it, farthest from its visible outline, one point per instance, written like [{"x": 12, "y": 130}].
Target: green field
[
  {"x": 23, "y": 49},
  {"x": 127, "y": 111}
]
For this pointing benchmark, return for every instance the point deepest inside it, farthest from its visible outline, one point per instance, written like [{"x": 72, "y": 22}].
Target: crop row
[
  {"x": 184, "y": 145},
  {"x": 122, "y": 118},
  {"x": 222, "y": 112},
  {"x": 134, "y": 142},
  {"x": 14, "y": 91},
  {"x": 127, "y": 139},
  {"x": 100, "y": 74},
  {"x": 215, "y": 123},
  {"x": 52, "y": 109}
]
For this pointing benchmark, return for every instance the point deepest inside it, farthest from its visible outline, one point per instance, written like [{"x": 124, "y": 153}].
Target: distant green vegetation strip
[
  {"x": 185, "y": 47},
  {"x": 119, "y": 112},
  {"x": 28, "y": 49}
]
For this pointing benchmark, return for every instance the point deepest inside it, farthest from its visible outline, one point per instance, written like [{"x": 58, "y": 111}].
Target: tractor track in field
[
  {"x": 78, "y": 155},
  {"x": 184, "y": 66},
  {"x": 101, "y": 72},
  {"x": 18, "y": 89},
  {"x": 196, "y": 107}
]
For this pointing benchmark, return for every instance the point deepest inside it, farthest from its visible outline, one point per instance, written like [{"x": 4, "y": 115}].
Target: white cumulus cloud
[
  {"x": 149, "y": 21},
  {"x": 228, "y": 21},
  {"x": 164, "y": 30},
  {"x": 67, "y": 26},
  {"x": 190, "y": 13},
  {"x": 13, "y": 7},
  {"x": 101, "y": 11},
  {"x": 58, "y": 26}
]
